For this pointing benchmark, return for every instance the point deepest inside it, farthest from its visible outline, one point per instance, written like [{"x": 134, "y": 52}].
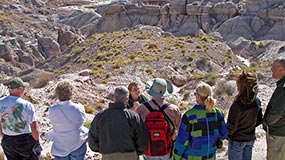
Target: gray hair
[
  {"x": 120, "y": 94},
  {"x": 281, "y": 61}
]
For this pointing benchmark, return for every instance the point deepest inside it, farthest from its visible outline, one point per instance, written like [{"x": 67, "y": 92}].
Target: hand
[{"x": 135, "y": 106}]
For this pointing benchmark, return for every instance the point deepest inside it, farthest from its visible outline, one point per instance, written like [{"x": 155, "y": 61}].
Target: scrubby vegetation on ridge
[{"x": 146, "y": 50}]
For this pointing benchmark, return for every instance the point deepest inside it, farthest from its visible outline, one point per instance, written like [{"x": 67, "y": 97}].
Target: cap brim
[{"x": 25, "y": 84}]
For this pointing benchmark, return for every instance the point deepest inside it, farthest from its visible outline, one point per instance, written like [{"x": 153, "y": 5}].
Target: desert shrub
[
  {"x": 100, "y": 63},
  {"x": 104, "y": 81},
  {"x": 258, "y": 45},
  {"x": 152, "y": 46},
  {"x": 168, "y": 56},
  {"x": 186, "y": 95},
  {"x": 204, "y": 61},
  {"x": 210, "y": 78},
  {"x": 76, "y": 49},
  {"x": 48, "y": 156},
  {"x": 2, "y": 155},
  {"x": 68, "y": 56},
  {"x": 149, "y": 70},
  {"x": 132, "y": 56},
  {"x": 101, "y": 106},
  {"x": 197, "y": 75},
  {"x": 198, "y": 46},
  {"x": 171, "y": 101},
  {"x": 5, "y": 19},
  {"x": 204, "y": 38},
  {"x": 91, "y": 62},
  {"x": 81, "y": 60},
  {"x": 43, "y": 80},
  {"x": 229, "y": 57},
  {"x": 87, "y": 124},
  {"x": 183, "y": 106},
  {"x": 30, "y": 99},
  {"x": 225, "y": 88},
  {"x": 89, "y": 109}
]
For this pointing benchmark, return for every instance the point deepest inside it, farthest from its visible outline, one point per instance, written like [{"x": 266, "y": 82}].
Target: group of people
[{"x": 124, "y": 131}]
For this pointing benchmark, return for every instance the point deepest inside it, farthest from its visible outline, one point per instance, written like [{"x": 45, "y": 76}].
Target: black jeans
[{"x": 21, "y": 147}]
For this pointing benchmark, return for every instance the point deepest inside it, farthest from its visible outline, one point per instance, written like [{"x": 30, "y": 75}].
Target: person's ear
[{"x": 126, "y": 100}]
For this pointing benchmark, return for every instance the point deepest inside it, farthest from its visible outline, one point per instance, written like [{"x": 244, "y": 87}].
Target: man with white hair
[
  {"x": 117, "y": 132},
  {"x": 274, "y": 116}
]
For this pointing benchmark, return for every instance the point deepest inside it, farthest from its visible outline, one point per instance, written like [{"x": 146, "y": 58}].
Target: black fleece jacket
[
  {"x": 243, "y": 119},
  {"x": 118, "y": 130}
]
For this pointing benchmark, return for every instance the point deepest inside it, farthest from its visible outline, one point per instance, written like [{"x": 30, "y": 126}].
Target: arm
[
  {"x": 35, "y": 130},
  {"x": 1, "y": 131},
  {"x": 93, "y": 135},
  {"x": 233, "y": 118},
  {"x": 183, "y": 139},
  {"x": 275, "y": 108},
  {"x": 259, "y": 118},
  {"x": 142, "y": 136},
  {"x": 223, "y": 127},
  {"x": 82, "y": 115}
]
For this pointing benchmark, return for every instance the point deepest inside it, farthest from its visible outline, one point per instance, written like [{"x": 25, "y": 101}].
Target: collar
[
  {"x": 117, "y": 105},
  {"x": 64, "y": 103},
  {"x": 198, "y": 106},
  {"x": 280, "y": 81}
]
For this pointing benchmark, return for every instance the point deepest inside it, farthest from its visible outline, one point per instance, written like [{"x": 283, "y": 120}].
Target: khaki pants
[
  {"x": 120, "y": 156},
  {"x": 275, "y": 147}
]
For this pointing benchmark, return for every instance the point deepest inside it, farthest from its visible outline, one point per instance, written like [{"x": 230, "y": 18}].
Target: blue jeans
[
  {"x": 78, "y": 154},
  {"x": 240, "y": 150}
]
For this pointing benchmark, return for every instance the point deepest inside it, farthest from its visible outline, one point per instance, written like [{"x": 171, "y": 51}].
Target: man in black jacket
[
  {"x": 274, "y": 117},
  {"x": 117, "y": 132}
]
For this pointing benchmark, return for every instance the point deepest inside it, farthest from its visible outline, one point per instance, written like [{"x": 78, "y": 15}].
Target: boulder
[
  {"x": 179, "y": 80},
  {"x": 48, "y": 47}
]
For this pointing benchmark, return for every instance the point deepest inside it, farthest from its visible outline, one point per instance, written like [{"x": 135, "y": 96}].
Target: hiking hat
[
  {"x": 16, "y": 83},
  {"x": 159, "y": 87}
]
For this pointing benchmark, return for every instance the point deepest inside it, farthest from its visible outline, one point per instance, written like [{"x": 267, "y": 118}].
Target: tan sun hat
[{"x": 159, "y": 87}]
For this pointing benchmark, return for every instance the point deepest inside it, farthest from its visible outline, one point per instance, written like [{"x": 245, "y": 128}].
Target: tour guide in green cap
[
  {"x": 16, "y": 83},
  {"x": 19, "y": 126}
]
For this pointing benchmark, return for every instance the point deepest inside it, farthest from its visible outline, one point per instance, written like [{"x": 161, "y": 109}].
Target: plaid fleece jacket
[{"x": 198, "y": 133}]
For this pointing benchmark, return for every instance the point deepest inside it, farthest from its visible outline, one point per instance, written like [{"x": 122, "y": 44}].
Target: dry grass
[
  {"x": 112, "y": 53},
  {"x": 2, "y": 156},
  {"x": 89, "y": 109},
  {"x": 43, "y": 80}
]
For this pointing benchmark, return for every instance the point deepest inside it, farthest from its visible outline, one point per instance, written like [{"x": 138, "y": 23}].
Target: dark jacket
[
  {"x": 117, "y": 130},
  {"x": 131, "y": 101},
  {"x": 242, "y": 120},
  {"x": 274, "y": 117}
]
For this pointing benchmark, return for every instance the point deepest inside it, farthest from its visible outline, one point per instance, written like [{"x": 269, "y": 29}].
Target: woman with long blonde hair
[{"x": 201, "y": 128}]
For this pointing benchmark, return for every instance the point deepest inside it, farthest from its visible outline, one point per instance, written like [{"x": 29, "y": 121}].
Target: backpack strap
[
  {"x": 148, "y": 106},
  {"x": 164, "y": 106}
]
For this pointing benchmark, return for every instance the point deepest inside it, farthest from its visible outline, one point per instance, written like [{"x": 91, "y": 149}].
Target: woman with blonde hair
[
  {"x": 244, "y": 115},
  {"x": 201, "y": 128}
]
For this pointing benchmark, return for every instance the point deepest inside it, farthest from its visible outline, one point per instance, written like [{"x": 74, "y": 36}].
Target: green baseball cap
[{"x": 16, "y": 83}]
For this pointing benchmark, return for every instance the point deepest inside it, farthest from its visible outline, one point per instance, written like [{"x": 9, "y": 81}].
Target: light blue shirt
[{"x": 68, "y": 133}]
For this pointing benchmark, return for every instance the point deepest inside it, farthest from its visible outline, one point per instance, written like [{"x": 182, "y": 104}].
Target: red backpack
[{"x": 157, "y": 122}]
